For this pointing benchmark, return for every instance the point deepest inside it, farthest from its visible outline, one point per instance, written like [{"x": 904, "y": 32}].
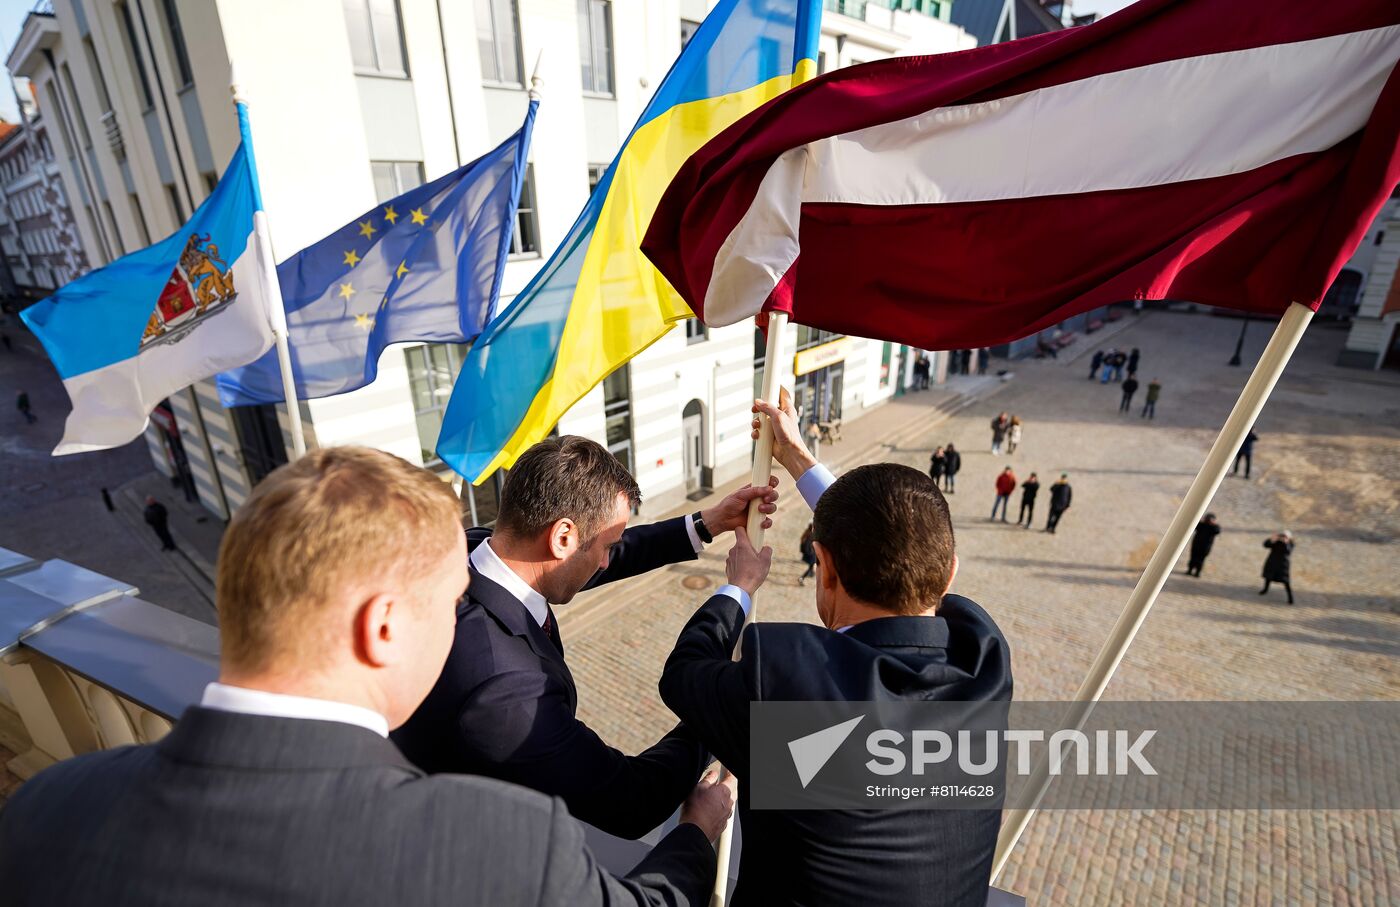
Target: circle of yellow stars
[{"x": 347, "y": 289}]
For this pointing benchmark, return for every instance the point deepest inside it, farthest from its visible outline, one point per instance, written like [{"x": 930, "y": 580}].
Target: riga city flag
[
  {"x": 598, "y": 302},
  {"x": 150, "y": 323},
  {"x": 1228, "y": 152}
]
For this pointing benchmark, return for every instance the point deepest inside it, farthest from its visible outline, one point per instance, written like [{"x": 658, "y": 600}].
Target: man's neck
[
  {"x": 522, "y": 559},
  {"x": 850, "y": 612},
  {"x": 307, "y": 686}
]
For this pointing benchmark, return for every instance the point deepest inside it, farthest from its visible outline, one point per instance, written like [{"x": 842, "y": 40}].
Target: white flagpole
[
  {"x": 277, "y": 312},
  {"x": 759, "y": 477},
  {"x": 1222, "y": 452}
]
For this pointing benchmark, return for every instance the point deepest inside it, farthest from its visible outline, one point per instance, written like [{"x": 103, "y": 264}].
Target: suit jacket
[
  {"x": 236, "y": 809},
  {"x": 843, "y": 856},
  {"x": 506, "y": 703},
  {"x": 1060, "y": 495}
]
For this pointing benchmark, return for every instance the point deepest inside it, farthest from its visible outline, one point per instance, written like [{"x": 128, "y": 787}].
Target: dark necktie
[{"x": 552, "y": 631}]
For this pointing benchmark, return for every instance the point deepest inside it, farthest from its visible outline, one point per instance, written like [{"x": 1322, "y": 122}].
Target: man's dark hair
[
  {"x": 890, "y": 536},
  {"x": 564, "y": 478}
]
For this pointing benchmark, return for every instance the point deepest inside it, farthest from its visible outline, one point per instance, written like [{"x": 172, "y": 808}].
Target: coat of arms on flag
[{"x": 200, "y": 285}]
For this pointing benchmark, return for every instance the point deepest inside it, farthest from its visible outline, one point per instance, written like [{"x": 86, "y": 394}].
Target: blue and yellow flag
[{"x": 598, "y": 301}]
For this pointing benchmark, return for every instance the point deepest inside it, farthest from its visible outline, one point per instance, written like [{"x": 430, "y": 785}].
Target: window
[
  {"x": 526, "y": 239},
  {"x": 177, "y": 44},
  {"x": 112, "y": 225},
  {"x": 77, "y": 106},
  {"x": 810, "y": 337},
  {"x": 595, "y": 176},
  {"x": 431, "y": 370},
  {"x": 175, "y": 205},
  {"x": 376, "y": 36},
  {"x": 103, "y": 98},
  {"x": 134, "y": 47},
  {"x": 688, "y": 30},
  {"x": 595, "y": 45},
  {"x": 886, "y": 357},
  {"x": 617, "y": 412},
  {"x": 821, "y": 62},
  {"x": 498, "y": 38},
  {"x": 696, "y": 331},
  {"x": 394, "y": 178}
]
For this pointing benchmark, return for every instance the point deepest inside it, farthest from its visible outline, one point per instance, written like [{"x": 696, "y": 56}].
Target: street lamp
[{"x": 1239, "y": 344}]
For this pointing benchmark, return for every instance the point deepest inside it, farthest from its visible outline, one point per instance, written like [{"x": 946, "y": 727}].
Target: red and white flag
[{"x": 1228, "y": 152}]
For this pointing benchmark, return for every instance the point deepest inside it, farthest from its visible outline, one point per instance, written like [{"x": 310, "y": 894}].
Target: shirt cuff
[
  {"x": 814, "y": 483},
  {"x": 739, "y": 595},
  {"x": 694, "y": 536}
]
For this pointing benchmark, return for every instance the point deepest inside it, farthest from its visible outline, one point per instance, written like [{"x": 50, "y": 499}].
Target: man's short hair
[
  {"x": 890, "y": 536},
  {"x": 567, "y": 477},
  {"x": 315, "y": 529}
]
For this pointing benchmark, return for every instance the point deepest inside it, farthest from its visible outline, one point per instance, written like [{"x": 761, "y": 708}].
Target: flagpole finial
[
  {"x": 535, "y": 81},
  {"x": 234, "y": 88}
]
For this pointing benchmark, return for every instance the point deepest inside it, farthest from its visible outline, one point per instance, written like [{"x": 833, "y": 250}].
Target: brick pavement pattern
[{"x": 1324, "y": 467}]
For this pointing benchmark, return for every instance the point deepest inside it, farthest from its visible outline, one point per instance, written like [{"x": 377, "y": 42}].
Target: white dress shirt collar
[
  {"x": 489, "y": 564},
  {"x": 244, "y": 701}
]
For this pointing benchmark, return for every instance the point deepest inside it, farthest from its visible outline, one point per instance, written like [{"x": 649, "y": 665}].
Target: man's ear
[
  {"x": 563, "y": 538},
  {"x": 378, "y": 630},
  {"x": 952, "y": 576},
  {"x": 826, "y": 567}
]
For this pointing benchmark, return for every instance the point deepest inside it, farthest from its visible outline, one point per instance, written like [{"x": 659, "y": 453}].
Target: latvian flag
[{"x": 1228, "y": 152}]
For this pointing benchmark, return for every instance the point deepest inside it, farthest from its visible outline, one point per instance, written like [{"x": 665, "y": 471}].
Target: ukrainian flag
[{"x": 598, "y": 301}]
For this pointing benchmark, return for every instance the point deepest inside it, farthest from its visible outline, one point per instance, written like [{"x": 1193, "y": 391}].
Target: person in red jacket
[{"x": 1006, "y": 483}]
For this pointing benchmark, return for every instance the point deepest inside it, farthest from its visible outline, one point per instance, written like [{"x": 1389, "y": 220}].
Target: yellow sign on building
[{"x": 821, "y": 356}]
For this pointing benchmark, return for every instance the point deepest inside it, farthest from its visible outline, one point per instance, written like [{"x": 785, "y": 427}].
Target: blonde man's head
[{"x": 315, "y": 540}]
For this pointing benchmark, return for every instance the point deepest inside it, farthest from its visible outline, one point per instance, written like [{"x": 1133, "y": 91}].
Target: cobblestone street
[{"x": 1324, "y": 468}]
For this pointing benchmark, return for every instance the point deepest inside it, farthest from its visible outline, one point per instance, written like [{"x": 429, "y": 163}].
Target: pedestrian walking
[
  {"x": 924, "y": 371},
  {"x": 1001, "y": 424},
  {"x": 1276, "y": 566},
  {"x": 1149, "y": 406},
  {"x": 966, "y": 357},
  {"x": 1246, "y": 453},
  {"x": 984, "y": 357},
  {"x": 1129, "y": 388},
  {"x": 1133, "y": 359},
  {"x": 1201, "y": 543},
  {"x": 808, "y": 551},
  {"x": 22, "y": 404},
  {"x": 1029, "y": 489},
  {"x": 1006, "y": 483},
  {"x": 936, "y": 464},
  {"x": 1013, "y": 435},
  {"x": 1108, "y": 359},
  {"x": 952, "y": 462},
  {"x": 1094, "y": 364},
  {"x": 1060, "y": 496},
  {"x": 158, "y": 518}
]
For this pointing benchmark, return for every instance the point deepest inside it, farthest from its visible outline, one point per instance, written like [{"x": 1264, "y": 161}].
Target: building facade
[
  {"x": 1372, "y": 278},
  {"x": 388, "y": 94},
  {"x": 38, "y": 236}
]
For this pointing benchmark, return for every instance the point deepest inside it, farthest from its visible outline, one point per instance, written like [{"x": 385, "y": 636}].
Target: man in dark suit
[
  {"x": 337, "y": 586},
  {"x": 890, "y": 631},
  {"x": 506, "y": 703}
]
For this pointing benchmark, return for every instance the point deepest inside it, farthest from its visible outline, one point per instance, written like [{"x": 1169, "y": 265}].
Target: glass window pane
[
  {"x": 602, "y": 46},
  {"x": 357, "y": 24},
  {"x": 410, "y": 175},
  {"x": 429, "y": 427},
  {"x": 585, "y": 45},
  {"x": 619, "y": 429},
  {"x": 388, "y": 38},
  {"x": 615, "y": 387},
  {"x": 508, "y": 40},
  {"x": 486, "y": 41},
  {"x": 385, "y": 183}
]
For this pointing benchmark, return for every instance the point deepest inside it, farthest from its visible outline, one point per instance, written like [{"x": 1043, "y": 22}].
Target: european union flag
[{"x": 425, "y": 266}]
